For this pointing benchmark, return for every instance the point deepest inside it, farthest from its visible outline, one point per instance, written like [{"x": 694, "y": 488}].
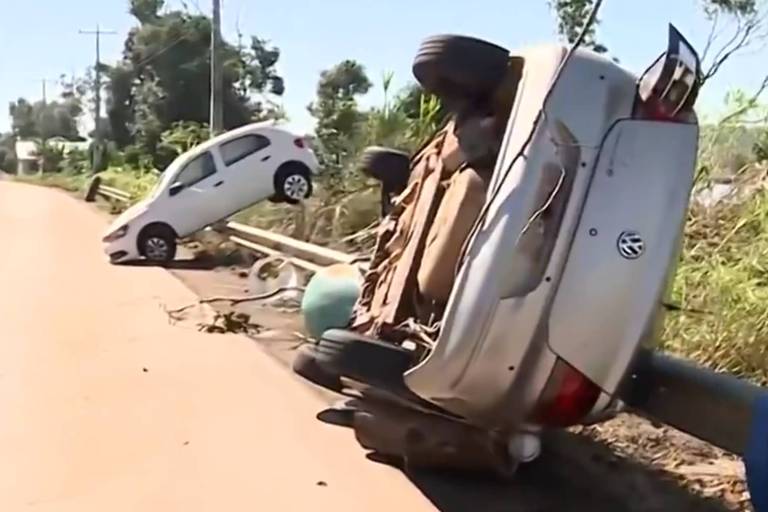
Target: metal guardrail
[
  {"x": 305, "y": 255},
  {"x": 95, "y": 188},
  {"x": 718, "y": 408}
]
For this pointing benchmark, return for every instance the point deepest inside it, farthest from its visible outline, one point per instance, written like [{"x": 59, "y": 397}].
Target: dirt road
[{"x": 105, "y": 406}]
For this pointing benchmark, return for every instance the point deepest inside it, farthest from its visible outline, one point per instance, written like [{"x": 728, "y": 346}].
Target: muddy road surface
[
  {"x": 109, "y": 405},
  {"x": 106, "y": 406}
]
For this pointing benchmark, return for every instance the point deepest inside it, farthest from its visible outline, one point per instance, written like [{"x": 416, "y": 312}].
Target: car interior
[{"x": 421, "y": 241}]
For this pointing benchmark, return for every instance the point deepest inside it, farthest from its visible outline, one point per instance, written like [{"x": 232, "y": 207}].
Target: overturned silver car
[{"x": 526, "y": 256}]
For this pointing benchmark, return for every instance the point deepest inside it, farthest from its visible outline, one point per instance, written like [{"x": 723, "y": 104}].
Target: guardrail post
[{"x": 93, "y": 189}]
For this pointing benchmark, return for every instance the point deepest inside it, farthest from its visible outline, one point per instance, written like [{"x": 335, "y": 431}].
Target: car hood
[{"x": 128, "y": 215}]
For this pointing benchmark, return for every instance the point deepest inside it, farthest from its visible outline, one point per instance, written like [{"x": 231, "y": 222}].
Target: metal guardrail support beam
[
  {"x": 306, "y": 265},
  {"x": 715, "y": 407},
  {"x": 315, "y": 254}
]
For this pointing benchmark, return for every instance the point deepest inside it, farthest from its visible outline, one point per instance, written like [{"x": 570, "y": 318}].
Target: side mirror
[{"x": 176, "y": 188}]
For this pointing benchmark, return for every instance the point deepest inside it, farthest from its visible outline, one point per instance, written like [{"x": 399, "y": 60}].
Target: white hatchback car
[{"x": 211, "y": 182}]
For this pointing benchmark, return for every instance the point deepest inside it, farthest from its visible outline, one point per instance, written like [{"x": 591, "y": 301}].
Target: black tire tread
[
  {"x": 283, "y": 172},
  {"x": 362, "y": 359},
  {"x": 451, "y": 66},
  {"x": 163, "y": 231}
]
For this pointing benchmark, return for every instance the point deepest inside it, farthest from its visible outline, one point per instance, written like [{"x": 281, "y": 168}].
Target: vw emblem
[{"x": 631, "y": 245}]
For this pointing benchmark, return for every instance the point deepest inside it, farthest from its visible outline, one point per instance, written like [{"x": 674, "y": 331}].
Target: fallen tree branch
[{"x": 233, "y": 301}]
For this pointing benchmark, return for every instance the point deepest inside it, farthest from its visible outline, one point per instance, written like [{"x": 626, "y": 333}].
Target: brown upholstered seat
[{"x": 458, "y": 211}]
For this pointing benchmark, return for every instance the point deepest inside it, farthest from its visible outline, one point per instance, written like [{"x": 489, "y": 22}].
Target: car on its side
[
  {"x": 210, "y": 182},
  {"x": 529, "y": 255}
]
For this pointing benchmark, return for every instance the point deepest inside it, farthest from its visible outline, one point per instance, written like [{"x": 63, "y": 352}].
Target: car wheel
[
  {"x": 389, "y": 166},
  {"x": 341, "y": 353},
  {"x": 456, "y": 67},
  {"x": 157, "y": 244},
  {"x": 293, "y": 184}
]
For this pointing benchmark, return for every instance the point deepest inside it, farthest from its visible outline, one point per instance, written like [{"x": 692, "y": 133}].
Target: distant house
[
  {"x": 27, "y": 156},
  {"x": 28, "y": 152},
  {"x": 65, "y": 146}
]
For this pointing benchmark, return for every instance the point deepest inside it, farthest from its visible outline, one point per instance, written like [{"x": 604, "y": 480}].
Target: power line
[{"x": 161, "y": 51}]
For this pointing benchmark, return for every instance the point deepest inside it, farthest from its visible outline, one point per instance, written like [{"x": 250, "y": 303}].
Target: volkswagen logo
[{"x": 631, "y": 245}]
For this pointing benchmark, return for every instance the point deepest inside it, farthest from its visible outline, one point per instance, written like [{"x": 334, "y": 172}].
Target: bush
[
  {"x": 76, "y": 162},
  {"x": 7, "y": 160}
]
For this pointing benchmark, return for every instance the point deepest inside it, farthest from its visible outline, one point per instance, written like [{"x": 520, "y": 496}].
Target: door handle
[
  {"x": 266, "y": 158},
  {"x": 220, "y": 183}
]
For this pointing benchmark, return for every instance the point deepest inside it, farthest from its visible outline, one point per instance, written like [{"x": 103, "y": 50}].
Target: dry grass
[{"x": 724, "y": 272}]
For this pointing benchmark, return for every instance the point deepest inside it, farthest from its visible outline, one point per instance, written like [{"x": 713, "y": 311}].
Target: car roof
[{"x": 266, "y": 128}]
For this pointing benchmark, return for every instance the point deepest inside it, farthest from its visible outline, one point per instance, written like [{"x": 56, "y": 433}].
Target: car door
[
  {"x": 197, "y": 196},
  {"x": 249, "y": 165}
]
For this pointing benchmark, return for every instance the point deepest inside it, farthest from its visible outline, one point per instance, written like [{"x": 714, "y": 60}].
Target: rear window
[{"x": 235, "y": 150}]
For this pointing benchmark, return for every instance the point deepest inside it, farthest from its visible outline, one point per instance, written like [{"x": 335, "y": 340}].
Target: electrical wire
[{"x": 152, "y": 57}]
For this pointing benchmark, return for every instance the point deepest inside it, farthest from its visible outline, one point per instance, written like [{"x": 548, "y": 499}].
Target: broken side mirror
[
  {"x": 671, "y": 85},
  {"x": 176, "y": 188}
]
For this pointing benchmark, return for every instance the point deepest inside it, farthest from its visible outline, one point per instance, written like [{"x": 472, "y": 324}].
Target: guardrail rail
[{"x": 96, "y": 188}]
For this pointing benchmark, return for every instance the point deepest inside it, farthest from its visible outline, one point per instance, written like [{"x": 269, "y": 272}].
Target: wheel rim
[
  {"x": 296, "y": 187},
  {"x": 156, "y": 248}
]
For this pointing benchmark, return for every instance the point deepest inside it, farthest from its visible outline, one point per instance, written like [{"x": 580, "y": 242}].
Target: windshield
[{"x": 169, "y": 175}]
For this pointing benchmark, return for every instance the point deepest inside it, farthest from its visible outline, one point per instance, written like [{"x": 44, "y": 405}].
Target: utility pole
[
  {"x": 217, "y": 78},
  {"x": 43, "y": 138},
  {"x": 45, "y": 95},
  {"x": 97, "y": 143}
]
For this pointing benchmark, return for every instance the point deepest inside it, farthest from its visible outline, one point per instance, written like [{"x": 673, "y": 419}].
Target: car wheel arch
[
  {"x": 291, "y": 165},
  {"x": 156, "y": 225},
  {"x": 285, "y": 171}
]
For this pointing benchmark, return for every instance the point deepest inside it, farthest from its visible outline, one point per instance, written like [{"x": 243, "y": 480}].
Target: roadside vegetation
[{"x": 719, "y": 301}]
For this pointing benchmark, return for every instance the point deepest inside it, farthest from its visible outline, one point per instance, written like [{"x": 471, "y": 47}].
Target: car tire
[
  {"x": 389, "y": 166},
  {"x": 293, "y": 183},
  {"x": 347, "y": 354},
  {"x": 456, "y": 67},
  {"x": 157, "y": 243}
]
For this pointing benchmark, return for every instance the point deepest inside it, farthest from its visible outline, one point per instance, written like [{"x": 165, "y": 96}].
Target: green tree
[
  {"x": 736, "y": 25},
  {"x": 339, "y": 119},
  {"x": 57, "y": 118},
  {"x": 571, "y": 17},
  {"x": 164, "y": 77}
]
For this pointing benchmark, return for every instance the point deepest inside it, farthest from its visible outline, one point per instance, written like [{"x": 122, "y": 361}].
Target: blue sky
[{"x": 39, "y": 38}]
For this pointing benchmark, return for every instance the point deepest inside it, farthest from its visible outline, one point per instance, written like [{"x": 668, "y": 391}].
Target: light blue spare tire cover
[{"x": 330, "y": 298}]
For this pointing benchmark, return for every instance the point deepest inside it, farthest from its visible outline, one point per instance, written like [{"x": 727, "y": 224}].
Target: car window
[
  {"x": 235, "y": 150},
  {"x": 196, "y": 170}
]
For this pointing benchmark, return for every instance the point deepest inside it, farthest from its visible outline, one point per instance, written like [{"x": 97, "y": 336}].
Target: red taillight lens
[
  {"x": 299, "y": 143},
  {"x": 568, "y": 397}
]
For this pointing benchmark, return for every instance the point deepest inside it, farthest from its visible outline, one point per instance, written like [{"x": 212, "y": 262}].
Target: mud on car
[{"x": 525, "y": 256}]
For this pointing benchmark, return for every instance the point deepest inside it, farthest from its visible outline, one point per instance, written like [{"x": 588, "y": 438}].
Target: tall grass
[{"x": 722, "y": 282}]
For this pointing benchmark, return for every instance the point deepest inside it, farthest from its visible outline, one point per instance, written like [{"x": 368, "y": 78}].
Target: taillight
[
  {"x": 299, "y": 143},
  {"x": 568, "y": 397},
  {"x": 668, "y": 89}
]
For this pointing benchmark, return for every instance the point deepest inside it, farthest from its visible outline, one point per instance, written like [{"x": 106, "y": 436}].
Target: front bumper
[{"x": 120, "y": 251}]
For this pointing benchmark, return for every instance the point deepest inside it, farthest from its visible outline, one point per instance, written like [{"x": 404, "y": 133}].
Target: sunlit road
[{"x": 105, "y": 406}]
